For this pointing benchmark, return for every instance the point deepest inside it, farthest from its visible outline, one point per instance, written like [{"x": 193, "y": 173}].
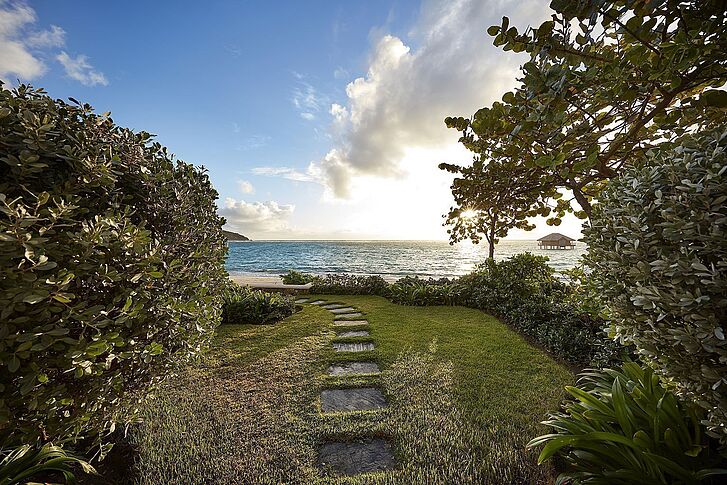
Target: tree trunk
[{"x": 491, "y": 241}]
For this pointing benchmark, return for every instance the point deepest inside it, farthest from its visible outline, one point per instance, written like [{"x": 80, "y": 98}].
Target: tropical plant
[
  {"x": 606, "y": 83},
  {"x": 624, "y": 427},
  {"x": 658, "y": 253},
  {"x": 415, "y": 292},
  {"x": 242, "y": 304},
  {"x": 19, "y": 465},
  {"x": 111, "y": 254},
  {"x": 345, "y": 284},
  {"x": 297, "y": 278}
]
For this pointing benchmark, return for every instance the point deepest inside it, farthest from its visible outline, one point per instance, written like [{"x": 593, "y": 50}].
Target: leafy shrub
[
  {"x": 345, "y": 284},
  {"x": 418, "y": 292},
  {"x": 623, "y": 427},
  {"x": 19, "y": 464},
  {"x": 297, "y": 278},
  {"x": 242, "y": 304},
  {"x": 658, "y": 249},
  {"x": 524, "y": 292},
  {"x": 111, "y": 254}
]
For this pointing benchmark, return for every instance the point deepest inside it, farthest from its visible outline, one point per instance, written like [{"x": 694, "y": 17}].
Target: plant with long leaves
[
  {"x": 20, "y": 464},
  {"x": 624, "y": 427}
]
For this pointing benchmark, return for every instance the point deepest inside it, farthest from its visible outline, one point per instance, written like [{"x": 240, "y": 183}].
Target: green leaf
[
  {"x": 14, "y": 363},
  {"x": 716, "y": 98}
]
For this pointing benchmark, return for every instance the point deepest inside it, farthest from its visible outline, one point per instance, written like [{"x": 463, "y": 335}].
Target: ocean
[{"x": 389, "y": 259}]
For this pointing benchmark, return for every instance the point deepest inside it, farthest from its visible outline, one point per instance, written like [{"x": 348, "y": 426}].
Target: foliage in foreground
[
  {"x": 20, "y": 464},
  {"x": 111, "y": 254},
  {"x": 624, "y": 427},
  {"x": 658, "y": 249},
  {"x": 242, "y": 304}
]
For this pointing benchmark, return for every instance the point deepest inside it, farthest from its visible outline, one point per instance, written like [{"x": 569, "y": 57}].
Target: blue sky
[{"x": 316, "y": 119}]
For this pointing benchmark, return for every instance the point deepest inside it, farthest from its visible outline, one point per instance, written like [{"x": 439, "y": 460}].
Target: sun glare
[{"x": 468, "y": 214}]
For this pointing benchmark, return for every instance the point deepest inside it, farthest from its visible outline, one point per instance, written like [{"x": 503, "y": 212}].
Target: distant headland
[{"x": 233, "y": 236}]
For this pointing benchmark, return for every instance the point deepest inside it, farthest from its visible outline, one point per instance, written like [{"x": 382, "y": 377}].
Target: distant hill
[{"x": 233, "y": 236}]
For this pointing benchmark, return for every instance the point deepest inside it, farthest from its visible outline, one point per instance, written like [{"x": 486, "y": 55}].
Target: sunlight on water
[{"x": 389, "y": 259}]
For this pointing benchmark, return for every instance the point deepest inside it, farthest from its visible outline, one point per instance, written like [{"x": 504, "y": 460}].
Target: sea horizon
[{"x": 391, "y": 259}]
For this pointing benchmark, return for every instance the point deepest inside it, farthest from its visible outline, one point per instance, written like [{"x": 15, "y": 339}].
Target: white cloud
[
  {"x": 252, "y": 142},
  {"x": 307, "y": 100},
  {"x": 81, "y": 70},
  {"x": 401, "y": 102},
  {"x": 245, "y": 187},
  {"x": 24, "y": 48},
  {"x": 55, "y": 37},
  {"x": 254, "y": 218},
  {"x": 16, "y": 59},
  {"x": 287, "y": 173},
  {"x": 14, "y": 17},
  {"x": 341, "y": 73}
]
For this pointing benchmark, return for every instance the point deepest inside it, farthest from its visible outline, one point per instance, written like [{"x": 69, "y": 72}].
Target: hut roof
[{"x": 555, "y": 237}]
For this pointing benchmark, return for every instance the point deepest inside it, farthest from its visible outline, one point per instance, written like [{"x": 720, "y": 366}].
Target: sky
[{"x": 316, "y": 119}]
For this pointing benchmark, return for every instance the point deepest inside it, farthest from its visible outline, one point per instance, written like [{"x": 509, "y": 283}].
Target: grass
[{"x": 465, "y": 392}]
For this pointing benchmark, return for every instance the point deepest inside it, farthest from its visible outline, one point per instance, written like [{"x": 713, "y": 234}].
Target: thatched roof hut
[{"x": 556, "y": 240}]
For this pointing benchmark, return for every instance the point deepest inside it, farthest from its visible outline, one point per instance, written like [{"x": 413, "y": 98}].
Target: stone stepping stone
[
  {"x": 353, "y": 399},
  {"x": 353, "y": 333},
  {"x": 344, "y": 310},
  {"x": 318, "y": 302},
  {"x": 373, "y": 455},
  {"x": 349, "y": 323},
  {"x": 355, "y": 347},
  {"x": 353, "y": 368},
  {"x": 331, "y": 306},
  {"x": 301, "y": 300},
  {"x": 347, "y": 315}
]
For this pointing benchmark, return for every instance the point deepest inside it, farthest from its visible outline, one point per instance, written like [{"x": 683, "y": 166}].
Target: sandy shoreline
[{"x": 265, "y": 282}]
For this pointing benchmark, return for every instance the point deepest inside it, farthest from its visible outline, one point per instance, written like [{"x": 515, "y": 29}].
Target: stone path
[
  {"x": 372, "y": 455},
  {"x": 353, "y": 347},
  {"x": 353, "y": 368},
  {"x": 359, "y": 454},
  {"x": 353, "y": 333}
]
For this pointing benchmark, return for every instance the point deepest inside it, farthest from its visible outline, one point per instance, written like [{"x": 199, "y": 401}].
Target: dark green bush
[
  {"x": 297, "y": 278},
  {"x": 345, "y": 284},
  {"x": 525, "y": 293},
  {"x": 658, "y": 249},
  {"x": 242, "y": 304},
  {"x": 624, "y": 427},
  {"x": 111, "y": 257}
]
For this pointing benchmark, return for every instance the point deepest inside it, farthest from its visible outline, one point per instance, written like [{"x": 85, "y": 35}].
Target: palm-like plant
[
  {"x": 20, "y": 464},
  {"x": 625, "y": 427}
]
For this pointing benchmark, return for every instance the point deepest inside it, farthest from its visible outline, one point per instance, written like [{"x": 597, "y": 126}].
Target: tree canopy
[
  {"x": 607, "y": 83},
  {"x": 489, "y": 206}
]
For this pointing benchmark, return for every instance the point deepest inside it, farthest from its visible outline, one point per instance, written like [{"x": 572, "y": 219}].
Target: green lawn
[{"x": 465, "y": 394}]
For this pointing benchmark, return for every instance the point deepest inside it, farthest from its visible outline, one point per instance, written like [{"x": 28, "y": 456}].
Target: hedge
[
  {"x": 658, "y": 249},
  {"x": 111, "y": 254}
]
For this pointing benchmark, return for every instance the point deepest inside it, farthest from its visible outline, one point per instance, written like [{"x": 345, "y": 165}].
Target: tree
[
  {"x": 492, "y": 198},
  {"x": 607, "y": 82}
]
